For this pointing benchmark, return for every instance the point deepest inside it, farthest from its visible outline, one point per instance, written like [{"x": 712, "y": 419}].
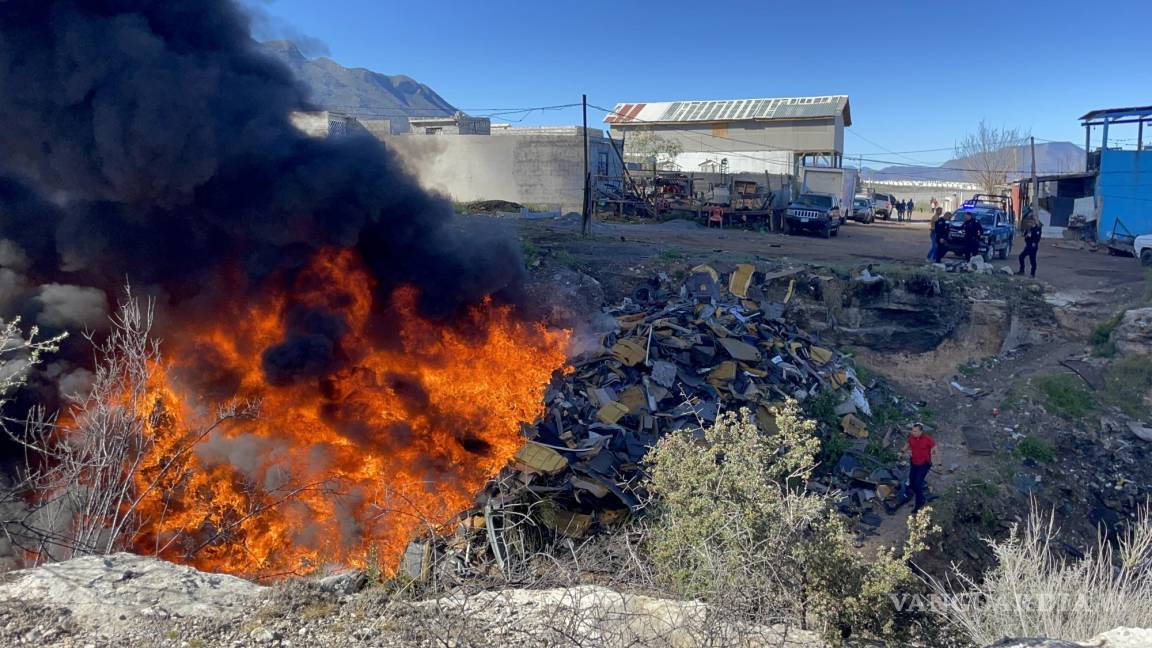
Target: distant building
[
  {"x": 457, "y": 124},
  {"x": 325, "y": 123},
  {"x": 745, "y": 135}
]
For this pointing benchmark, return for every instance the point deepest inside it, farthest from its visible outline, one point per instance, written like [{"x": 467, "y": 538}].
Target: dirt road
[{"x": 627, "y": 243}]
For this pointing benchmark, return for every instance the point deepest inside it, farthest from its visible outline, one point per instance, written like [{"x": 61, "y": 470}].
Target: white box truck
[{"x": 838, "y": 183}]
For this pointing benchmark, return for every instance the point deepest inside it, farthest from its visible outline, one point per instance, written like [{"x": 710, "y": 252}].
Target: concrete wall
[
  {"x": 949, "y": 197},
  {"x": 538, "y": 166}
]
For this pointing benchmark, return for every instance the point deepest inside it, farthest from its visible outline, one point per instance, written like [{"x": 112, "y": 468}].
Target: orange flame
[{"x": 334, "y": 469}]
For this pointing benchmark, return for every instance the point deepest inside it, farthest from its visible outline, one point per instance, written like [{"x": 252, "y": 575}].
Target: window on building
[
  {"x": 434, "y": 130},
  {"x": 602, "y": 164}
]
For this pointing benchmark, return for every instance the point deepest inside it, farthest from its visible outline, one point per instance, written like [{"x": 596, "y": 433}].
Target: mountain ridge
[
  {"x": 360, "y": 92},
  {"x": 1051, "y": 158}
]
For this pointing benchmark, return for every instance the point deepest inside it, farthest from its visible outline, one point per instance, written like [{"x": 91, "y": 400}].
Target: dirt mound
[{"x": 490, "y": 206}]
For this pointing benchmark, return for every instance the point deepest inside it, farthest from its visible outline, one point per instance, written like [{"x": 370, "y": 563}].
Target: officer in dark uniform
[
  {"x": 940, "y": 231},
  {"x": 973, "y": 232},
  {"x": 1032, "y": 230}
]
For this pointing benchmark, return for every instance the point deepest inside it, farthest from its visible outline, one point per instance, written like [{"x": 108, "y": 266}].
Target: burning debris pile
[
  {"x": 677, "y": 356},
  {"x": 389, "y": 344}
]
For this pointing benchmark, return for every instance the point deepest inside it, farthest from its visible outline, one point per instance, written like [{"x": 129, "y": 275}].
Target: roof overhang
[{"x": 1112, "y": 115}]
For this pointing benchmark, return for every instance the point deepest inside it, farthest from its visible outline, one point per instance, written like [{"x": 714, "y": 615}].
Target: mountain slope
[
  {"x": 360, "y": 92},
  {"x": 1051, "y": 157}
]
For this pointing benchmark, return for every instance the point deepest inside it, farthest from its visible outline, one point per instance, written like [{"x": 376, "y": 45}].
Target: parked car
[
  {"x": 863, "y": 210},
  {"x": 1142, "y": 246},
  {"x": 999, "y": 234},
  {"x": 883, "y": 205},
  {"x": 814, "y": 212}
]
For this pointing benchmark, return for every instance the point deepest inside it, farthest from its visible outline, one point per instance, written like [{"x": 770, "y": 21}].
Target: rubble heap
[{"x": 677, "y": 355}]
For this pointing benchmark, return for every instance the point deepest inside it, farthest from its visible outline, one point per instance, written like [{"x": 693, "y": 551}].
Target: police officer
[
  {"x": 973, "y": 232},
  {"x": 940, "y": 235},
  {"x": 1032, "y": 230}
]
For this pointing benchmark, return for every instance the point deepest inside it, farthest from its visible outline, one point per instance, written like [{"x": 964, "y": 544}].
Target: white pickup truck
[{"x": 1142, "y": 246}]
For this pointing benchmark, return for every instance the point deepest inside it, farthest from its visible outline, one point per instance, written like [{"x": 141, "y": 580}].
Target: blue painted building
[{"x": 1123, "y": 175}]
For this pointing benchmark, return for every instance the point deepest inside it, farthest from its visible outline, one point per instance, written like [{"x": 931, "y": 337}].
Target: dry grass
[{"x": 1034, "y": 592}]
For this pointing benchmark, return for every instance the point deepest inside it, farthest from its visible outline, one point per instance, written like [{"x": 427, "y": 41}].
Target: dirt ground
[
  {"x": 1060, "y": 268},
  {"x": 1084, "y": 287}
]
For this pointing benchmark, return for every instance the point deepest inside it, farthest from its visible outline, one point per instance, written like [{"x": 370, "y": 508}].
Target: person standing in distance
[
  {"x": 1032, "y": 230},
  {"x": 921, "y": 451}
]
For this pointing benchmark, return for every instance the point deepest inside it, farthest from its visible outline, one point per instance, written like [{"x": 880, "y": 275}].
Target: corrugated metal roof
[{"x": 732, "y": 110}]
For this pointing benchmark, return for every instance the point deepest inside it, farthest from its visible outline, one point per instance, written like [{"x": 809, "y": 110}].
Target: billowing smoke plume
[{"x": 150, "y": 141}]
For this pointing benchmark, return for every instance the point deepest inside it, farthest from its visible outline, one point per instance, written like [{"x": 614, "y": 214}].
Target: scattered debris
[
  {"x": 970, "y": 392},
  {"x": 1140, "y": 430},
  {"x": 677, "y": 357}
]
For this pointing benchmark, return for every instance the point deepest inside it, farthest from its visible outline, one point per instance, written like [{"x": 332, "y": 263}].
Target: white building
[{"x": 742, "y": 135}]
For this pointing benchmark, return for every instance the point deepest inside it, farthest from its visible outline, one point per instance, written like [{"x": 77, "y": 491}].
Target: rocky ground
[{"x": 126, "y": 600}]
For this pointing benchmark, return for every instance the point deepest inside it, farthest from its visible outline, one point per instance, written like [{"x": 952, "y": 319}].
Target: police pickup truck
[{"x": 992, "y": 213}]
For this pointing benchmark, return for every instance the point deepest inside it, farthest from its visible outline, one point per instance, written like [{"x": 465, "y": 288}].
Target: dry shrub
[
  {"x": 1034, "y": 592},
  {"x": 87, "y": 475},
  {"x": 733, "y": 525}
]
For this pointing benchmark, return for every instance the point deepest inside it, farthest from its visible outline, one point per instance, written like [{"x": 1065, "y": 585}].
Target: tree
[
  {"x": 654, "y": 149},
  {"x": 990, "y": 155}
]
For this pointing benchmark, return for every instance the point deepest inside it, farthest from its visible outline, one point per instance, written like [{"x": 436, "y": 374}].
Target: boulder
[
  {"x": 104, "y": 592},
  {"x": 1133, "y": 335},
  {"x": 1116, "y": 638}
]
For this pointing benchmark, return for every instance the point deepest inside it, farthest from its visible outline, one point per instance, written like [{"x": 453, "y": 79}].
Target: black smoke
[{"x": 151, "y": 141}]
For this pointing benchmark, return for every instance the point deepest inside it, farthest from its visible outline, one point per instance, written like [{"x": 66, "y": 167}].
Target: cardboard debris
[
  {"x": 854, "y": 427},
  {"x": 741, "y": 280},
  {"x": 568, "y": 523},
  {"x": 630, "y": 352},
  {"x": 612, "y": 412},
  {"x": 541, "y": 459}
]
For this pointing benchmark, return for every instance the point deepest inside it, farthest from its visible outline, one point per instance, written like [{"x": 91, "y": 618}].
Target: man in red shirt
[{"x": 921, "y": 450}]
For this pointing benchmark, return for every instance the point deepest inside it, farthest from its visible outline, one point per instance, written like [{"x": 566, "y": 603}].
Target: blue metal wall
[{"x": 1124, "y": 193}]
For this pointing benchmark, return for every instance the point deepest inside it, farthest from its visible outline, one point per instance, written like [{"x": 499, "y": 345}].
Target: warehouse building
[{"x": 776, "y": 136}]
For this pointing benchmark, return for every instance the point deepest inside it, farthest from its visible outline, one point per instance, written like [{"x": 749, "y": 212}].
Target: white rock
[{"x": 103, "y": 592}]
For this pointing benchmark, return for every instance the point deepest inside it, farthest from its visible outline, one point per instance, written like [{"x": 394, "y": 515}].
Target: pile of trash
[
  {"x": 675, "y": 357},
  {"x": 976, "y": 265}
]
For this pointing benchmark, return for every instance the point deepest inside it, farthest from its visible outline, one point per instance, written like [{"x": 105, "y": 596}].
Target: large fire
[{"x": 337, "y": 468}]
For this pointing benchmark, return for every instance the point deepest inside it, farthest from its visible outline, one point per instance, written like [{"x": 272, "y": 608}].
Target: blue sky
[{"x": 919, "y": 75}]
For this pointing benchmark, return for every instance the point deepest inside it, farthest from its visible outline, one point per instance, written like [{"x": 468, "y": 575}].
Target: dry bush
[
  {"x": 87, "y": 474},
  {"x": 734, "y": 526},
  {"x": 1034, "y": 592}
]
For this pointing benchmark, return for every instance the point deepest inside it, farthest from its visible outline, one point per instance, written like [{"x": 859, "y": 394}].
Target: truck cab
[
  {"x": 1142, "y": 246},
  {"x": 814, "y": 212},
  {"x": 999, "y": 233}
]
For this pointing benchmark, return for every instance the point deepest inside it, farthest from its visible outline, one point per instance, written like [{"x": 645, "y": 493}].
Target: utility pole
[
  {"x": 586, "y": 220},
  {"x": 1035, "y": 183}
]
